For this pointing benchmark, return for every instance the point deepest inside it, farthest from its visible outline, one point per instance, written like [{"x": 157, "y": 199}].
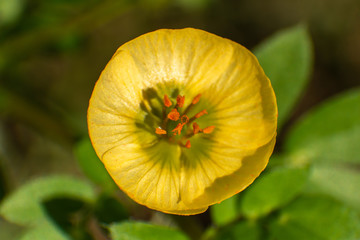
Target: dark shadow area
[
  {"x": 70, "y": 215},
  {"x": 109, "y": 210}
]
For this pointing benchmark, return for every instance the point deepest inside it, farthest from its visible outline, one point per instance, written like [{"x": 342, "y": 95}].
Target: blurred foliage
[
  {"x": 92, "y": 166},
  {"x": 276, "y": 189},
  {"x": 226, "y": 212},
  {"x": 51, "y": 53},
  {"x": 335, "y": 142},
  {"x": 25, "y": 207},
  {"x": 288, "y": 55},
  {"x": 10, "y": 11},
  {"x": 315, "y": 217},
  {"x": 138, "y": 230}
]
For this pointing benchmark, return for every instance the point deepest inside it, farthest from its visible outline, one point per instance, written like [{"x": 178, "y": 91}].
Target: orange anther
[
  {"x": 174, "y": 115},
  {"x": 167, "y": 101},
  {"x": 196, "y": 128},
  {"x": 184, "y": 119},
  {"x": 208, "y": 129},
  {"x": 196, "y": 99},
  {"x": 180, "y": 100},
  {"x": 160, "y": 131},
  {"x": 188, "y": 144},
  {"x": 177, "y": 130},
  {"x": 203, "y": 112}
]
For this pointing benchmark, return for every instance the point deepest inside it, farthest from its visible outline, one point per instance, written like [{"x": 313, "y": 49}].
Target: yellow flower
[{"x": 183, "y": 119}]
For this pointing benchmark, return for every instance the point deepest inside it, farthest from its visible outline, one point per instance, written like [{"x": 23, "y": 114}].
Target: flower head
[{"x": 182, "y": 119}]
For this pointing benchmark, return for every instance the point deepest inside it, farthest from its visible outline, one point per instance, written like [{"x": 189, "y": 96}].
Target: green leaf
[
  {"x": 329, "y": 138},
  {"x": 9, "y": 230},
  {"x": 277, "y": 160},
  {"x": 316, "y": 218},
  {"x": 92, "y": 166},
  {"x": 273, "y": 190},
  {"x": 248, "y": 230},
  {"x": 342, "y": 183},
  {"x": 140, "y": 231},
  {"x": 328, "y": 133},
  {"x": 225, "y": 212},
  {"x": 44, "y": 231},
  {"x": 286, "y": 59},
  {"x": 10, "y": 11},
  {"x": 24, "y": 206}
]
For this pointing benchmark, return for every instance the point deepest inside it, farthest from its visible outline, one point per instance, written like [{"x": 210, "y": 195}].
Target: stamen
[
  {"x": 180, "y": 100},
  {"x": 203, "y": 112},
  {"x": 208, "y": 130},
  {"x": 160, "y": 131},
  {"x": 196, "y": 99},
  {"x": 167, "y": 101},
  {"x": 177, "y": 130},
  {"x": 174, "y": 115},
  {"x": 188, "y": 144},
  {"x": 196, "y": 128},
  {"x": 184, "y": 119},
  {"x": 181, "y": 120}
]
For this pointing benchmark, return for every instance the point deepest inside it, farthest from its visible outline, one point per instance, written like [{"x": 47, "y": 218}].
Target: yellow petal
[
  {"x": 228, "y": 185},
  {"x": 150, "y": 175}
]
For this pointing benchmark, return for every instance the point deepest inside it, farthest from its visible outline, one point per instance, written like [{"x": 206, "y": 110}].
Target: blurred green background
[{"x": 51, "y": 54}]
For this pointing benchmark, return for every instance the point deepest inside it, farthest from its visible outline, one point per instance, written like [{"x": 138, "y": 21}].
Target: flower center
[{"x": 176, "y": 125}]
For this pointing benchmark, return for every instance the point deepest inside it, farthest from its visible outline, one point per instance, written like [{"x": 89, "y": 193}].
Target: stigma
[{"x": 176, "y": 125}]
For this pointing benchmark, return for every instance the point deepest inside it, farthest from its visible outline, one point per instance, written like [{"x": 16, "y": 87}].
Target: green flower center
[{"x": 176, "y": 126}]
